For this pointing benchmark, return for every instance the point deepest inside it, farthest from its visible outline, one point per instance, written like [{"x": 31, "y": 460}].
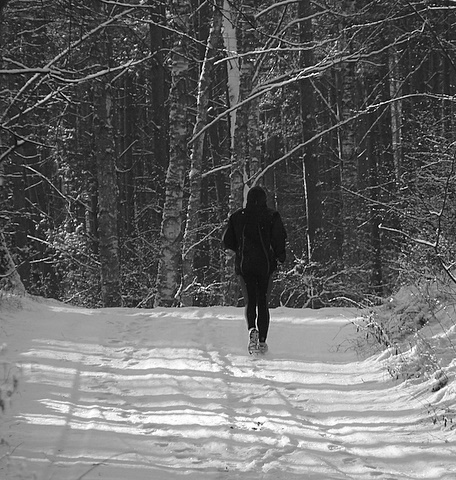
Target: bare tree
[
  {"x": 192, "y": 226},
  {"x": 310, "y": 159},
  {"x": 168, "y": 277},
  {"x": 107, "y": 178},
  {"x": 10, "y": 279}
]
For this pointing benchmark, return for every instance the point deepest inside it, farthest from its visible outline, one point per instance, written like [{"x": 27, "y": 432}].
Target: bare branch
[{"x": 61, "y": 55}]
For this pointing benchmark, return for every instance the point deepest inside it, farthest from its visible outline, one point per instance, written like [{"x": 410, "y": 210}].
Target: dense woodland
[{"x": 131, "y": 129}]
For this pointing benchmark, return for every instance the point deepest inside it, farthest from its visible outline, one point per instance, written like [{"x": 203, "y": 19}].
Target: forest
[{"x": 131, "y": 129}]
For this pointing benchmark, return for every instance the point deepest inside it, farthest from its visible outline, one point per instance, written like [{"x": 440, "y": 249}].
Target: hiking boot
[{"x": 253, "y": 341}]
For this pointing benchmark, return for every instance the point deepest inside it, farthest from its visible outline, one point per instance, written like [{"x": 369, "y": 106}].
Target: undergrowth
[{"x": 416, "y": 331}]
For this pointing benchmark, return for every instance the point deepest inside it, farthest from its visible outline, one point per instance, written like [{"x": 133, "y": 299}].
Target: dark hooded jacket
[{"x": 257, "y": 234}]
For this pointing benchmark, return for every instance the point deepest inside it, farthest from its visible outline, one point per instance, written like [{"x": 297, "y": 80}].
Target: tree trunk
[
  {"x": 345, "y": 85},
  {"x": 157, "y": 77},
  {"x": 239, "y": 37},
  {"x": 246, "y": 161},
  {"x": 230, "y": 293},
  {"x": 251, "y": 110},
  {"x": 192, "y": 226},
  {"x": 373, "y": 160},
  {"x": 396, "y": 112},
  {"x": 20, "y": 220},
  {"x": 107, "y": 198},
  {"x": 126, "y": 175},
  {"x": 107, "y": 208},
  {"x": 233, "y": 86},
  {"x": 310, "y": 160},
  {"x": 10, "y": 280},
  {"x": 171, "y": 229}
]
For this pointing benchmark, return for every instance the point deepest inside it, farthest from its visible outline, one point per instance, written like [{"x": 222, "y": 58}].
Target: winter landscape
[
  {"x": 130, "y": 132},
  {"x": 168, "y": 393}
]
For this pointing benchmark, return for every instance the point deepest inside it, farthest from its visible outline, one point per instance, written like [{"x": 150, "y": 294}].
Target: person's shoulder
[{"x": 238, "y": 214}]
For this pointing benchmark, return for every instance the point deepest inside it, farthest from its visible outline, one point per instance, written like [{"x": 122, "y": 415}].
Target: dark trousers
[{"x": 256, "y": 289}]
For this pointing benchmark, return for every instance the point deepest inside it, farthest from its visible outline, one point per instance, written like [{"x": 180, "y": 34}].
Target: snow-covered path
[{"x": 162, "y": 394}]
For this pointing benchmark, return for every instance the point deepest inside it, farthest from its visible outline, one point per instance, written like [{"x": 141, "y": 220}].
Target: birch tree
[
  {"x": 375, "y": 82},
  {"x": 192, "y": 226},
  {"x": 237, "y": 161},
  {"x": 168, "y": 277},
  {"x": 239, "y": 36}
]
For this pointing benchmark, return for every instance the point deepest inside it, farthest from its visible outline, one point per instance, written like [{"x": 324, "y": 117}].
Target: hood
[{"x": 256, "y": 197}]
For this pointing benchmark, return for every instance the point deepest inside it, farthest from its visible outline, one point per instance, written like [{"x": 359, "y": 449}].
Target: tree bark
[
  {"x": 238, "y": 37},
  {"x": 310, "y": 160},
  {"x": 10, "y": 280},
  {"x": 192, "y": 227},
  {"x": 108, "y": 195},
  {"x": 107, "y": 198},
  {"x": 20, "y": 217},
  {"x": 168, "y": 276},
  {"x": 158, "y": 80},
  {"x": 345, "y": 84},
  {"x": 396, "y": 112},
  {"x": 373, "y": 160},
  {"x": 237, "y": 161},
  {"x": 126, "y": 175}
]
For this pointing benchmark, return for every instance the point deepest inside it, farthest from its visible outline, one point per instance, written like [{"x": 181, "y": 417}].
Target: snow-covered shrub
[
  {"x": 417, "y": 328},
  {"x": 316, "y": 285}
]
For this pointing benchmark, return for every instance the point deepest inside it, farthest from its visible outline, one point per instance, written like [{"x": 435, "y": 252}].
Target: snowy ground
[{"x": 124, "y": 394}]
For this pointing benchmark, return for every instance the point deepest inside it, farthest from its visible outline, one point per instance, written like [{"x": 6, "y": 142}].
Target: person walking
[{"x": 257, "y": 235}]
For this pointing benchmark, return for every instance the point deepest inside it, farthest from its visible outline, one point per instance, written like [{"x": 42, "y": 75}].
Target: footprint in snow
[{"x": 334, "y": 447}]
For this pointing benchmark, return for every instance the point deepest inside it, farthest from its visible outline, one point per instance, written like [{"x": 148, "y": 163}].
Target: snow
[{"x": 172, "y": 394}]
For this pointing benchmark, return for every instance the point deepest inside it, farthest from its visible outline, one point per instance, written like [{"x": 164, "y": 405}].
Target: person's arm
[
  {"x": 278, "y": 238},
  {"x": 229, "y": 237}
]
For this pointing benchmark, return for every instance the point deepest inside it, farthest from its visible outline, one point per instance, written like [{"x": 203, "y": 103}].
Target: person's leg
[
  {"x": 248, "y": 287},
  {"x": 264, "y": 289},
  {"x": 269, "y": 286}
]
